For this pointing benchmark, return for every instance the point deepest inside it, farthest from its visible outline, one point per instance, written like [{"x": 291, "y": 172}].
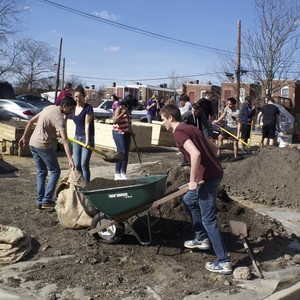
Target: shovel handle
[
  {"x": 228, "y": 132},
  {"x": 251, "y": 257},
  {"x": 88, "y": 147}
]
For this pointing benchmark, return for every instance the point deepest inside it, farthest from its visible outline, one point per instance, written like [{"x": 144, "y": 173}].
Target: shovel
[
  {"x": 228, "y": 132},
  {"x": 135, "y": 144},
  {"x": 239, "y": 229},
  {"x": 109, "y": 158}
]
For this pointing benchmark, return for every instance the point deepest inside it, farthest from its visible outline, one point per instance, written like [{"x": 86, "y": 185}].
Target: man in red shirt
[{"x": 200, "y": 200}]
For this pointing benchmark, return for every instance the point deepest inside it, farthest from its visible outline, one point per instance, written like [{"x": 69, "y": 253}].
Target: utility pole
[
  {"x": 58, "y": 68},
  {"x": 63, "y": 74},
  {"x": 238, "y": 64}
]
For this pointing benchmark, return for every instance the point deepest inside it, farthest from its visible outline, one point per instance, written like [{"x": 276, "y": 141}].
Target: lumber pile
[{"x": 11, "y": 130}]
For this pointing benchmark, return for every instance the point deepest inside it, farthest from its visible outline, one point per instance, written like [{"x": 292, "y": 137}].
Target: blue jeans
[
  {"x": 122, "y": 142},
  {"x": 45, "y": 158},
  {"x": 201, "y": 205},
  {"x": 150, "y": 118},
  {"x": 82, "y": 156}
]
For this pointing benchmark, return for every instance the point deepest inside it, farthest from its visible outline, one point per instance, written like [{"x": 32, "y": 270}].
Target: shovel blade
[
  {"x": 238, "y": 228},
  {"x": 113, "y": 158}
]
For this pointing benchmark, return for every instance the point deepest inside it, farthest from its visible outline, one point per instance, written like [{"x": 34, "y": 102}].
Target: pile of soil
[
  {"x": 270, "y": 176},
  {"x": 128, "y": 269}
]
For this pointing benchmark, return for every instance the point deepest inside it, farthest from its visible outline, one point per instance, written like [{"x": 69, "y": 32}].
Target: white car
[
  {"x": 17, "y": 109},
  {"x": 104, "y": 110}
]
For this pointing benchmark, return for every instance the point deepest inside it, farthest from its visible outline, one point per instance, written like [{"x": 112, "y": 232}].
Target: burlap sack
[
  {"x": 73, "y": 209},
  {"x": 14, "y": 244},
  {"x": 10, "y": 234}
]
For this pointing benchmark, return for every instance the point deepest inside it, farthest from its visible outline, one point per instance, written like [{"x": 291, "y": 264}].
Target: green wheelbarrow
[{"x": 116, "y": 205}]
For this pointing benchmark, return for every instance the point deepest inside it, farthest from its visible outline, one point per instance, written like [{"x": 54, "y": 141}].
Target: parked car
[
  {"x": 6, "y": 90},
  {"x": 104, "y": 110},
  {"x": 17, "y": 109},
  {"x": 37, "y": 101}
]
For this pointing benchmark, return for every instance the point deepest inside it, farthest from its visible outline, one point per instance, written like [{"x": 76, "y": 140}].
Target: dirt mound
[{"x": 270, "y": 177}]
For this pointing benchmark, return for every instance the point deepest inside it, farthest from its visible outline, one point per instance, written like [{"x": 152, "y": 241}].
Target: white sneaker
[
  {"x": 224, "y": 268},
  {"x": 118, "y": 176},
  {"x": 200, "y": 244},
  {"x": 123, "y": 176}
]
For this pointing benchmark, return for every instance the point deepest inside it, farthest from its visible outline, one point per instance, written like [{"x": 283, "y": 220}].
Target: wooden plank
[
  {"x": 256, "y": 139},
  {"x": 104, "y": 138}
]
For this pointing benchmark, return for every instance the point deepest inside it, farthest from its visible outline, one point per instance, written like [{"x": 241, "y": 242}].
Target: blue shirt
[
  {"x": 80, "y": 120},
  {"x": 247, "y": 113}
]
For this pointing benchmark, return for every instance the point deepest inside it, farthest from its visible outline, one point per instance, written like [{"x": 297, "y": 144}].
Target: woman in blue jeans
[
  {"x": 83, "y": 117},
  {"x": 122, "y": 133}
]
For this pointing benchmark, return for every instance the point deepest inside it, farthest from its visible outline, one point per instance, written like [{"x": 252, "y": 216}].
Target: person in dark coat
[
  {"x": 246, "y": 119},
  {"x": 206, "y": 105},
  {"x": 197, "y": 117}
]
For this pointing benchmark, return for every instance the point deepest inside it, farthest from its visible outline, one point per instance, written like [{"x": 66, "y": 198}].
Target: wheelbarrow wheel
[{"x": 112, "y": 234}]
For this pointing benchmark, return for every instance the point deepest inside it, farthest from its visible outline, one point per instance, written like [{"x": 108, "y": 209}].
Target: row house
[{"x": 142, "y": 92}]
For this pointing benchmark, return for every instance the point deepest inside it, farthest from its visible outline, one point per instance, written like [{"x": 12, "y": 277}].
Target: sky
[{"x": 148, "y": 41}]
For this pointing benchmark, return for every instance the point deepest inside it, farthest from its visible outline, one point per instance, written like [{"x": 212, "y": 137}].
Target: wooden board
[
  {"x": 160, "y": 136},
  {"x": 256, "y": 139},
  {"x": 104, "y": 138}
]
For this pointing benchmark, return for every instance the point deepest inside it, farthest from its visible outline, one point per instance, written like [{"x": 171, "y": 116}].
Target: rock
[
  {"x": 296, "y": 259},
  {"x": 242, "y": 273}
]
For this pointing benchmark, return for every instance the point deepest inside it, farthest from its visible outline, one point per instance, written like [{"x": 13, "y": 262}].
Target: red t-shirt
[{"x": 210, "y": 167}]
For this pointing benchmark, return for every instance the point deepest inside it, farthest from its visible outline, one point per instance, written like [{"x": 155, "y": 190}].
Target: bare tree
[
  {"x": 176, "y": 80},
  {"x": 11, "y": 17},
  {"x": 34, "y": 62},
  {"x": 272, "y": 47},
  {"x": 75, "y": 80},
  {"x": 8, "y": 56},
  {"x": 11, "y": 12},
  {"x": 174, "y": 83}
]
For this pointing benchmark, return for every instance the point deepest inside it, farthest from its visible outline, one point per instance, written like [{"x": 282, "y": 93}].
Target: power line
[
  {"x": 134, "y": 29},
  {"x": 150, "y": 79}
]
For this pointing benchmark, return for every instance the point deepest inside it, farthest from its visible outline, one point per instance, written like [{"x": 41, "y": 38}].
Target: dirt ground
[{"x": 269, "y": 176}]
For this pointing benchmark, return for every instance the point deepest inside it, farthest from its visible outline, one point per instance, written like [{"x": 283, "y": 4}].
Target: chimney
[{"x": 113, "y": 84}]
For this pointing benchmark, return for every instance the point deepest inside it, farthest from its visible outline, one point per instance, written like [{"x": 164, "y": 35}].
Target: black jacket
[
  {"x": 198, "y": 121},
  {"x": 206, "y": 107}
]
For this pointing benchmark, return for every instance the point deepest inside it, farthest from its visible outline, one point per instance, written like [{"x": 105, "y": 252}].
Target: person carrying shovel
[
  {"x": 205, "y": 176},
  {"x": 231, "y": 115}
]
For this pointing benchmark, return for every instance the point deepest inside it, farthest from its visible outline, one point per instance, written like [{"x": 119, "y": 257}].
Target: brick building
[
  {"x": 142, "y": 92},
  {"x": 196, "y": 91}
]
